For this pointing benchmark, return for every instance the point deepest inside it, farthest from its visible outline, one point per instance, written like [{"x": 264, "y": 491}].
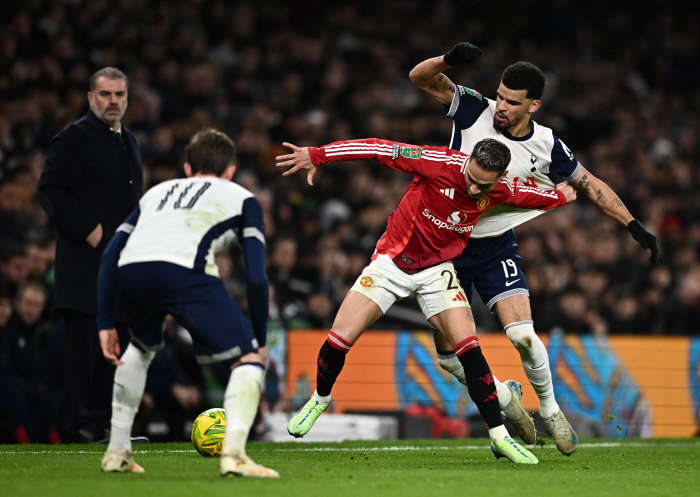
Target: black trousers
[{"x": 88, "y": 378}]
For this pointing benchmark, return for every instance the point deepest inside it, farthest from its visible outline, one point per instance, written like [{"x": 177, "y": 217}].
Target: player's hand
[
  {"x": 95, "y": 236},
  {"x": 462, "y": 53},
  {"x": 300, "y": 159},
  {"x": 109, "y": 341},
  {"x": 263, "y": 353},
  {"x": 568, "y": 191},
  {"x": 645, "y": 238}
]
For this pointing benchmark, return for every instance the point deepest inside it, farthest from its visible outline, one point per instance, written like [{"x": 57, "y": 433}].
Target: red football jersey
[{"x": 435, "y": 217}]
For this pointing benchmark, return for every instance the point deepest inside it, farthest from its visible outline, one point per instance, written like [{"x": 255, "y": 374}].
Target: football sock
[
  {"x": 241, "y": 401},
  {"x": 449, "y": 362},
  {"x": 479, "y": 381},
  {"x": 129, "y": 384},
  {"x": 535, "y": 359},
  {"x": 504, "y": 393},
  {"x": 498, "y": 434},
  {"x": 331, "y": 359}
]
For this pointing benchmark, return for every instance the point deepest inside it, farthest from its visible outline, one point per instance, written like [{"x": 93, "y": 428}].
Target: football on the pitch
[{"x": 208, "y": 432}]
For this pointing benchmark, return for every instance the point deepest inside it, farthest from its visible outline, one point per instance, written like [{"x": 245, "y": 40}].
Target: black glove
[
  {"x": 462, "y": 53},
  {"x": 645, "y": 238}
]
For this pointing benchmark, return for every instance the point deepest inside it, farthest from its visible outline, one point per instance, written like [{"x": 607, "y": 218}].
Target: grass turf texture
[{"x": 387, "y": 468}]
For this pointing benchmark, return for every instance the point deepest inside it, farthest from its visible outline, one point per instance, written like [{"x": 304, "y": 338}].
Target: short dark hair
[
  {"x": 210, "y": 152},
  {"x": 524, "y": 76},
  {"x": 491, "y": 155},
  {"x": 109, "y": 73}
]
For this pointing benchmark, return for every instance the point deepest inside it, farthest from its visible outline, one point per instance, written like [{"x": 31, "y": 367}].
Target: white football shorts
[{"x": 437, "y": 288}]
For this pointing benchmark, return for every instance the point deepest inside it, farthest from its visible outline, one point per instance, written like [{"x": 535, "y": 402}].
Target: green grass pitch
[{"x": 385, "y": 468}]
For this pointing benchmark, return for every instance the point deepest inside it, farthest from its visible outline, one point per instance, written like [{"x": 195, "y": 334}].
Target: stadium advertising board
[{"x": 620, "y": 386}]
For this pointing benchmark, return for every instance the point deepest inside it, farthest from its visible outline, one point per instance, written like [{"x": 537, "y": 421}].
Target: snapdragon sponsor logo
[{"x": 446, "y": 225}]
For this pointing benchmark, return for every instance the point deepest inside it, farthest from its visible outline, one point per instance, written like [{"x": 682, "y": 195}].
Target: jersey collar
[{"x": 521, "y": 138}]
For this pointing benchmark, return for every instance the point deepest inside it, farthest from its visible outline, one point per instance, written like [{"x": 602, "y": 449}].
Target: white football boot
[
  {"x": 120, "y": 461},
  {"x": 244, "y": 466}
]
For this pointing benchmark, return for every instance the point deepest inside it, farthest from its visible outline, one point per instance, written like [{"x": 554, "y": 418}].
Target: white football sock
[
  {"x": 535, "y": 359},
  {"x": 450, "y": 363},
  {"x": 498, "y": 434},
  {"x": 504, "y": 393},
  {"x": 241, "y": 401},
  {"x": 129, "y": 384},
  {"x": 321, "y": 399}
]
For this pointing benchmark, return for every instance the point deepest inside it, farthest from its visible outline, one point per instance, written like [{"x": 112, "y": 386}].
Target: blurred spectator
[
  {"x": 681, "y": 316},
  {"x": 25, "y": 375},
  {"x": 14, "y": 266}
]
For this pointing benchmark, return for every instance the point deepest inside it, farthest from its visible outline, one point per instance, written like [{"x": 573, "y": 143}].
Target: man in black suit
[{"x": 92, "y": 180}]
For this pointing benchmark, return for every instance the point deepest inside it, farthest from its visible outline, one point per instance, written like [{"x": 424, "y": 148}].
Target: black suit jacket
[{"x": 90, "y": 176}]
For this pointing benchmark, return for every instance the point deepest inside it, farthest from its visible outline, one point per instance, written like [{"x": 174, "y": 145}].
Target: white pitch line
[{"x": 594, "y": 445}]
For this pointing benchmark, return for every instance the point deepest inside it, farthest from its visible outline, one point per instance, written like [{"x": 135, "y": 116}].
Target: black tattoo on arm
[
  {"x": 616, "y": 202},
  {"x": 583, "y": 184},
  {"x": 433, "y": 88},
  {"x": 600, "y": 198},
  {"x": 442, "y": 76}
]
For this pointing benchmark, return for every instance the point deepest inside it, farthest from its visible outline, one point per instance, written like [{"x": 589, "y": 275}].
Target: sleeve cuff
[{"x": 317, "y": 156}]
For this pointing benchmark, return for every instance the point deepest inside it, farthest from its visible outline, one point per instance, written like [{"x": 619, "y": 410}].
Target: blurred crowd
[{"x": 622, "y": 92}]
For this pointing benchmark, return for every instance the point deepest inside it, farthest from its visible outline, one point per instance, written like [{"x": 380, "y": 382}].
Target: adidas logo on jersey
[{"x": 450, "y": 192}]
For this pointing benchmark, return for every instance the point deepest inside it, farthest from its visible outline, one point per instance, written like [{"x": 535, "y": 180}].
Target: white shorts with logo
[{"x": 437, "y": 288}]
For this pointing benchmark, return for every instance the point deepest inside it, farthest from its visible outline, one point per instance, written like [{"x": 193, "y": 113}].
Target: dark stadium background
[{"x": 622, "y": 93}]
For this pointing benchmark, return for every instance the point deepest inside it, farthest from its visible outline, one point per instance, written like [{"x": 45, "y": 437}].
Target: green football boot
[
  {"x": 514, "y": 451},
  {"x": 517, "y": 415},
  {"x": 304, "y": 419}
]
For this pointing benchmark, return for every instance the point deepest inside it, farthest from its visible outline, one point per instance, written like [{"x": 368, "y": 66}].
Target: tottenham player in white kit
[
  {"x": 162, "y": 260},
  {"x": 490, "y": 261}
]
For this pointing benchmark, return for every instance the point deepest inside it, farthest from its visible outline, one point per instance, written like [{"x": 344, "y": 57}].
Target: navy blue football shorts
[
  {"x": 198, "y": 302},
  {"x": 492, "y": 265}
]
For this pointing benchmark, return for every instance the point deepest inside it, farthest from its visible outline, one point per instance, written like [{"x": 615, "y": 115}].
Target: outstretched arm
[
  {"x": 411, "y": 159},
  {"x": 428, "y": 74},
  {"x": 610, "y": 203}
]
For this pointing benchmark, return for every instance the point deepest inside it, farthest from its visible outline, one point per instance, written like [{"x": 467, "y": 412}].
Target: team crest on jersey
[
  {"x": 474, "y": 93},
  {"x": 406, "y": 260},
  {"x": 482, "y": 203},
  {"x": 366, "y": 281},
  {"x": 410, "y": 152}
]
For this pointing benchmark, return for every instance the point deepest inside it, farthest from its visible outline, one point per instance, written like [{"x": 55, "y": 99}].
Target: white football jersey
[
  {"x": 187, "y": 221},
  {"x": 532, "y": 156}
]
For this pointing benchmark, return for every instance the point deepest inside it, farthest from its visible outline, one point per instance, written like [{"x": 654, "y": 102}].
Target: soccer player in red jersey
[{"x": 430, "y": 226}]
